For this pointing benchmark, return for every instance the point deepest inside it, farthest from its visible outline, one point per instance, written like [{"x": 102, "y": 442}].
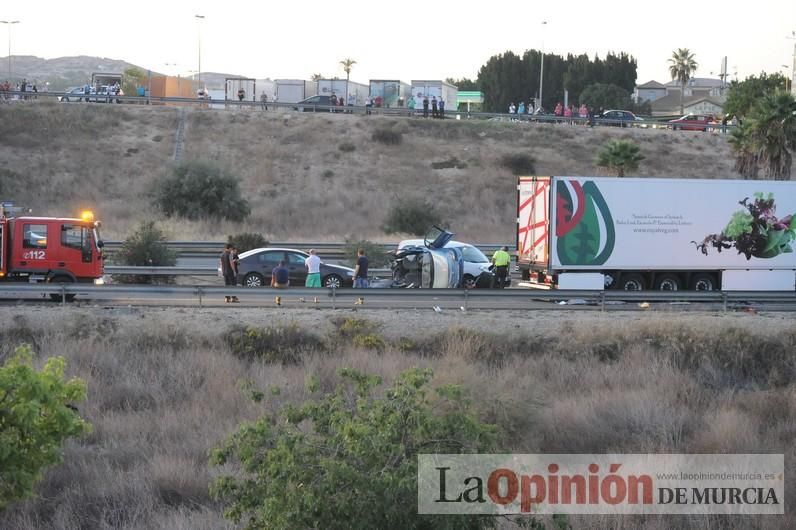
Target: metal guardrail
[
  {"x": 646, "y": 123},
  {"x": 487, "y": 299},
  {"x": 327, "y": 250},
  {"x": 184, "y": 271}
]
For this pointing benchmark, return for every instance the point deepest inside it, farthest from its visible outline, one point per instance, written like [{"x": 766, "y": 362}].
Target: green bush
[
  {"x": 411, "y": 215},
  {"x": 36, "y": 416},
  {"x": 370, "y": 341},
  {"x": 247, "y": 241},
  {"x": 377, "y": 256},
  {"x": 387, "y": 136},
  {"x": 349, "y": 456},
  {"x": 275, "y": 344},
  {"x": 199, "y": 190},
  {"x": 146, "y": 247},
  {"x": 519, "y": 164}
]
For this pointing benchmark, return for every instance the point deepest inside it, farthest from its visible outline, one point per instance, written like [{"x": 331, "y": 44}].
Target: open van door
[{"x": 437, "y": 237}]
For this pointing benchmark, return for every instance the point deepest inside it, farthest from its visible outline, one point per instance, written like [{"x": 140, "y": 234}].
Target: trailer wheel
[
  {"x": 61, "y": 279},
  {"x": 632, "y": 282},
  {"x": 703, "y": 282},
  {"x": 668, "y": 282}
]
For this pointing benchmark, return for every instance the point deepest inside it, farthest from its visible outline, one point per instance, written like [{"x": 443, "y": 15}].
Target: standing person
[
  {"x": 280, "y": 276},
  {"x": 583, "y": 111},
  {"x": 501, "y": 260},
  {"x": 333, "y": 102},
  {"x": 568, "y": 113},
  {"x": 225, "y": 264},
  {"x": 233, "y": 261},
  {"x": 425, "y": 106},
  {"x": 521, "y": 108},
  {"x": 434, "y": 111},
  {"x": 411, "y": 106},
  {"x": 313, "y": 264},
  {"x": 361, "y": 270},
  {"x": 264, "y": 100},
  {"x": 559, "y": 110},
  {"x": 512, "y": 108},
  {"x": 441, "y": 109},
  {"x": 352, "y": 100},
  {"x": 532, "y": 106},
  {"x": 241, "y": 94}
]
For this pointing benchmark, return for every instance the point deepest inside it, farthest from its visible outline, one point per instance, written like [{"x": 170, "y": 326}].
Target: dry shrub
[
  {"x": 274, "y": 344},
  {"x": 387, "y": 136}
]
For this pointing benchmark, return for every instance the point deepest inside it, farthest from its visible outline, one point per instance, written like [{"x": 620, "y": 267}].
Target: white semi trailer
[{"x": 653, "y": 233}]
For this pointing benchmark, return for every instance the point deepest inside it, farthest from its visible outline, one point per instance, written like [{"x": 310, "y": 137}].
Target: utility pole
[
  {"x": 541, "y": 69},
  {"x": 199, "y": 19},
  {"x": 9, "y": 23},
  {"x": 793, "y": 66}
]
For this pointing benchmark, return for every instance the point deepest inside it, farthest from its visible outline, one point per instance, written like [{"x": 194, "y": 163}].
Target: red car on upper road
[{"x": 693, "y": 122}]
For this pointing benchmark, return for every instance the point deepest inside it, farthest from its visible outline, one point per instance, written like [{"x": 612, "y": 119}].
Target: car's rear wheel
[
  {"x": 253, "y": 279},
  {"x": 333, "y": 281},
  {"x": 469, "y": 282}
]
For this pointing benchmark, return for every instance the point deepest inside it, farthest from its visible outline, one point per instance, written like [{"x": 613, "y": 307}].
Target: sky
[{"x": 407, "y": 40}]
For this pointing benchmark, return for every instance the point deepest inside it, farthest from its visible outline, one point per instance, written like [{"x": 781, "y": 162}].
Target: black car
[
  {"x": 254, "y": 268},
  {"x": 313, "y": 103},
  {"x": 618, "y": 118}
]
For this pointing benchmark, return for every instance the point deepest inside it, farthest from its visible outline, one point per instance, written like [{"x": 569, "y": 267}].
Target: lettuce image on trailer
[{"x": 755, "y": 231}]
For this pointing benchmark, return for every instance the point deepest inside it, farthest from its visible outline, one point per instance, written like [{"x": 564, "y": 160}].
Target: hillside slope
[{"x": 56, "y": 158}]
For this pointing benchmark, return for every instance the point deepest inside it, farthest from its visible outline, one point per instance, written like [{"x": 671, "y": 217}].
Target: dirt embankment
[{"x": 308, "y": 176}]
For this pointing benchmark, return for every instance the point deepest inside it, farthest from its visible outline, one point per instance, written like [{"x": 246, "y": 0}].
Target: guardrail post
[
  {"x": 63, "y": 295},
  {"x": 334, "y": 297},
  {"x": 602, "y": 301},
  {"x": 199, "y": 292},
  {"x": 466, "y": 296},
  {"x": 724, "y": 300}
]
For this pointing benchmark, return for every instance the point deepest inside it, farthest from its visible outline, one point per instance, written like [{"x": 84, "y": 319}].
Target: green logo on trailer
[{"x": 584, "y": 226}]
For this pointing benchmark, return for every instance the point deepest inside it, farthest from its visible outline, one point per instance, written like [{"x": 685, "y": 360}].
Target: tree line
[{"x": 510, "y": 78}]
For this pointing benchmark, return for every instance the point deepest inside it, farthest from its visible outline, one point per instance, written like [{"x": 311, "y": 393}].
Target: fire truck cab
[{"x": 49, "y": 249}]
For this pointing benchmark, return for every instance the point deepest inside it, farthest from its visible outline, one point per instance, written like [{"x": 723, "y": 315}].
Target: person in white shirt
[{"x": 313, "y": 264}]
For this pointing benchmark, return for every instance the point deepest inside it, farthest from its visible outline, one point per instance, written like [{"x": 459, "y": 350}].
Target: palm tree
[
  {"x": 773, "y": 134},
  {"x": 619, "y": 156},
  {"x": 348, "y": 65},
  {"x": 316, "y": 77},
  {"x": 746, "y": 161},
  {"x": 681, "y": 66}
]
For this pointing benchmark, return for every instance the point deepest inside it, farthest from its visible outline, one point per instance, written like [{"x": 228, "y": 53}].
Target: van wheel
[
  {"x": 61, "y": 279},
  {"x": 703, "y": 282},
  {"x": 632, "y": 282},
  {"x": 668, "y": 282}
]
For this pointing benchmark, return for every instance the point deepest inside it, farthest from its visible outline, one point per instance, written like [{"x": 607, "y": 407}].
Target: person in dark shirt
[
  {"x": 227, "y": 268},
  {"x": 280, "y": 276},
  {"x": 361, "y": 270}
]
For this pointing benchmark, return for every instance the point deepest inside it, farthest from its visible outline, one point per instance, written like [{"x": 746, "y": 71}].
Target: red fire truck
[{"x": 50, "y": 249}]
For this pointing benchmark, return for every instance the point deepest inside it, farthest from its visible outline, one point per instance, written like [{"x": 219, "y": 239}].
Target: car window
[
  {"x": 473, "y": 255},
  {"x": 269, "y": 258},
  {"x": 34, "y": 236},
  {"x": 295, "y": 259}
]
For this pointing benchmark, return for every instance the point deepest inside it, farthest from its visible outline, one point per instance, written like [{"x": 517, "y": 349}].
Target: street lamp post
[
  {"x": 199, "y": 19},
  {"x": 541, "y": 69},
  {"x": 9, "y": 23}
]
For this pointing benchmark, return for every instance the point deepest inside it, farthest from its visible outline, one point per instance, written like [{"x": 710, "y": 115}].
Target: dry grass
[
  {"x": 301, "y": 184},
  {"x": 161, "y": 395}
]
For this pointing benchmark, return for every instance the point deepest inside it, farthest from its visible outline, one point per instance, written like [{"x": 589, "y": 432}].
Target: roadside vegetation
[{"x": 164, "y": 394}]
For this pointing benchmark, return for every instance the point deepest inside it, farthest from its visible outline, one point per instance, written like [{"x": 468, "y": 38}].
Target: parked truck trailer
[
  {"x": 653, "y": 233},
  {"x": 438, "y": 89},
  {"x": 355, "y": 93}
]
